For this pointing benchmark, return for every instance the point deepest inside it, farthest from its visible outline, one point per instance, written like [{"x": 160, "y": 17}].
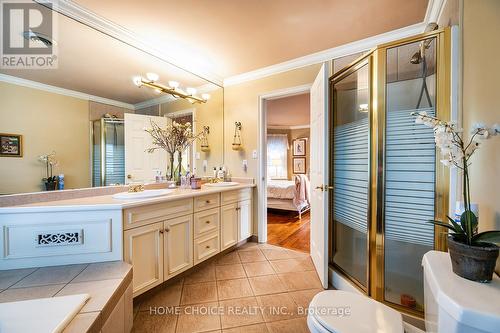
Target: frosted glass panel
[
  {"x": 409, "y": 171},
  {"x": 350, "y": 173}
]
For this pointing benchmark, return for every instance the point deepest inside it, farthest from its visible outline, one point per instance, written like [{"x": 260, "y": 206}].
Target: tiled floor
[{"x": 256, "y": 288}]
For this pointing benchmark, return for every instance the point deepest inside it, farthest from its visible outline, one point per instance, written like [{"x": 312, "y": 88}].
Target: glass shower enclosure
[
  {"x": 387, "y": 178},
  {"x": 108, "y": 152}
]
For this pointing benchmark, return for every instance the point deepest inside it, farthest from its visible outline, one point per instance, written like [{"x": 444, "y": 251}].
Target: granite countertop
[
  {"x": 104, "y": 202},
  {"x": 105, "y": 282}
]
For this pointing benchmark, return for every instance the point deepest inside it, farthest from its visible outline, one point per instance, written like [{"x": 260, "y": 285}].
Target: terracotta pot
[{"x": 476, "y": 263}]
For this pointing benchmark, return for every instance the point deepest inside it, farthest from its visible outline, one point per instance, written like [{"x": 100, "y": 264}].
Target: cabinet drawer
[
  {"x": 135, "y": 217},
  {"x": 206, "y": 202},
  {"x": 235, "y": 196},
  {"x": 206, "y": 247},
  {"x": 206, "y": 221}
]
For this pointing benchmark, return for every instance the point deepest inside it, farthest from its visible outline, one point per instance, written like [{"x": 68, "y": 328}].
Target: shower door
[{"x": 388, "y": 182}]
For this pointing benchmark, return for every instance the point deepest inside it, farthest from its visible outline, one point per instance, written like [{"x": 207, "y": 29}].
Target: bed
[{"x": 282, "y": 194}]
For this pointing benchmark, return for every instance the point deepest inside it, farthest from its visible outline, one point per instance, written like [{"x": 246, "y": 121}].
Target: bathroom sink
[
  {"x": 141, "y": 195},
  {"x": 222, "y": 184},
  {"x": 43, "y": 315}
]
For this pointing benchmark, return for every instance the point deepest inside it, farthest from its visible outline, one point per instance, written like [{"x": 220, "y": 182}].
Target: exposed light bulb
[
  {"x": 137, "y": 81},
  {"x": 173, "y": 84},
  {"x": 191, "y": 91},
  {"x": 206, "y": 97},
  {"x": 152, "y": 77}
]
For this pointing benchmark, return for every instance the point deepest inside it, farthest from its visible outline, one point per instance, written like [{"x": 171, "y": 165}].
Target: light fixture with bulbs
[{"x": 172, "y": 88}]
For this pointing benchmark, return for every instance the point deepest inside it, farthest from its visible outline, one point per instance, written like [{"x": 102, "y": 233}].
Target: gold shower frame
[{"x": 376, "y": 60}]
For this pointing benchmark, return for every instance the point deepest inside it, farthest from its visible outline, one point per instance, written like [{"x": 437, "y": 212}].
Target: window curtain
[{"x": 277, "y": 156}]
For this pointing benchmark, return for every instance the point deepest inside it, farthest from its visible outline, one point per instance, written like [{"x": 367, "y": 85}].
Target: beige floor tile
[
  {"x": 226, "y": 272},
  {"x": 204, "y": 274},
  {"x": 275, "y": 254},
  {"x": 237, "y": 288},
  {"x": 304, "y": 297},
  {"x": 251, "y": 256},
  {"x": 50, "y": 275},
  {"x": 150, "y": 323},
  {"x": 292, "y": 265},
  {"x": 300, "y": 280},
  {"x": 199, "y": 318},
  {"x": 258, "y": 268},
  {"x": 228, "y": 259},
  {"x": 256, "y": 328},
  {"x": 199, "y": 293},
  {"x": 268, "y": 246},
  {"x": 11, "y": 276},
  {"x": 22, "y": 294},
  {"x": 297, "y": 254},
  {"x": 240, "y": 312},
  {"x": 298, "y": 325},
  {"x": 277, "y": 307},
  {"x": 167, "y": 296},
  {"x": 248, "y": 246},
  {"x": 100, "y": 292},
  {"x": 267, "y": 284},
  {"x": 103, "y": 271},
  {"x": 83, "y": 322}
]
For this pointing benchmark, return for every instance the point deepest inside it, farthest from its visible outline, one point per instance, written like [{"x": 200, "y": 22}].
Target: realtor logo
[{"x": 27, "y": 35}]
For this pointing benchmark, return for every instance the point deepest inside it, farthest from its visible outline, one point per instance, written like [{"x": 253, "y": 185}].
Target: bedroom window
[{"x": 277, "y": 156}]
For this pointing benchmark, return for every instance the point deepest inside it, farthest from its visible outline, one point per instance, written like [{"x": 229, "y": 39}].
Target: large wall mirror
[{"x": 90, "y": 116}]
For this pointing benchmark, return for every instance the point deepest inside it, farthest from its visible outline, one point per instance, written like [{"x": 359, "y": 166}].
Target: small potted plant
[
  {"x": 473, "y": 254},
  {"x": 50, "y": 181}
]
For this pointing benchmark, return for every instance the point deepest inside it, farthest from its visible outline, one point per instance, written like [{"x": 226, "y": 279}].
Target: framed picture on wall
[
  {"x": 299, "y": 165},
  {"x": 299, "y": 147},
  {"x": 11, "y": 145}
]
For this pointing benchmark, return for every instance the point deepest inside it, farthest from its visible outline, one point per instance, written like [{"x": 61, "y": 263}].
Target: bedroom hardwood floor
[{"x": 286, "y": 230}]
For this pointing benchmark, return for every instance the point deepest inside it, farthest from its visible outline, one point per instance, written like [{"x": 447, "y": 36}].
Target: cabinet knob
[
  {"x": 208, "y": 201},
  {"x": 238, "y": 208},
  {"x": 207, "y": 247},
  {"x": 167, "y": 229},
  {"x": 161, "y": 231},
  {"x": 207, "y": 222}
]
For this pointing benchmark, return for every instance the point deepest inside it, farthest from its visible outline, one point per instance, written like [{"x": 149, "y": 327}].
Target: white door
[
  {"x": 141, "y": 166},
  {"x": 319, "y": 174},
  {"x": 228, "y": 226},
  {"x": 178, "y": 245}
]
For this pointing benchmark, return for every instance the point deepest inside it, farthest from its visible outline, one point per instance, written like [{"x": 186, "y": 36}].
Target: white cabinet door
[
  {"x": 244, "y": 219},
  {"x": 178, "y": 245},
  {"x": 141, "y": 166},
  {"x": 228, "y": 226},
  {"x": 143, "y": 249}
]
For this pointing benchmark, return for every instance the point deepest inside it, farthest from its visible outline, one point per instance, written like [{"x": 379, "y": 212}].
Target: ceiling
[
  {"x": 230, "y": 37},
  {"x": 288, "y": 111}
]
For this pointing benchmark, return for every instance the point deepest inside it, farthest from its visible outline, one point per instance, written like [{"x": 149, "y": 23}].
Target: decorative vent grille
[{"x": 72, "y": 237}]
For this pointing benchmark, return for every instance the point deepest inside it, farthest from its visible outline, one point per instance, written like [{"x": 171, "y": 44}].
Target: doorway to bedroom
[{"x": 287, "y": 171}]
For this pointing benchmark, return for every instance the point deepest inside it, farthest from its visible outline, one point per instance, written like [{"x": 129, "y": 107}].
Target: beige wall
[
  {"x": 48, "y": 122},
  {"x": 481, "y": 73}
]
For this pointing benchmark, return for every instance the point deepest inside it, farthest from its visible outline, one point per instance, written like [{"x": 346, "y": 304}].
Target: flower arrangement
[
  {"x": 457, "y": 153},
  {"x": 174, "y": 138},
  {"x": 50, "y": 162}
]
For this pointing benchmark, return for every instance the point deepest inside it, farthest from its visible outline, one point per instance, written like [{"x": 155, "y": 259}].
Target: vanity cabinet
[
  {"x": 178, "y": 245},
  {"x": 163, "y": 240},
  {"x": 143, "y": 249}
]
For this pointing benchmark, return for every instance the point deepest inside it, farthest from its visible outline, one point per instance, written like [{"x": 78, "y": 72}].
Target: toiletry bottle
[
  {"x": 220, "y": 174},
  {"x": 215, "y": 172},
  {"x": 60, "y": 182}
]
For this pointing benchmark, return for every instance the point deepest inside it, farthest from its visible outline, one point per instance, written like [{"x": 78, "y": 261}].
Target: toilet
[
  {"x": 336, "y": 311},
  {"x": 452, "y": 305}
]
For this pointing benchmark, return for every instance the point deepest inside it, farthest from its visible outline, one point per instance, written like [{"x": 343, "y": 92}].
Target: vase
[
  {"x": 473, "y": 262},
  {"x": 50, "y": 186},
  {"x": 171, "y": 168}
]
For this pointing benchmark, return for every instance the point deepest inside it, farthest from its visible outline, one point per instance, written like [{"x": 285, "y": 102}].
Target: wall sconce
[
  {"x": 204, "y": 139},
  {"x": 237, "y": 136}
]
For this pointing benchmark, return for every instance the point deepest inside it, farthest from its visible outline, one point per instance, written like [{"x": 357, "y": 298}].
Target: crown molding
[
  {"x": 87, "y": 17},
  {"x": 434, "y": 11},
  {"x": 61, "y": 91}
]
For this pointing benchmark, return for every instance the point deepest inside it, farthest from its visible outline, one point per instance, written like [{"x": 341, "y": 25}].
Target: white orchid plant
[
  {"x": 456, "y": 153},
  {"x": 50, "y": 163}
]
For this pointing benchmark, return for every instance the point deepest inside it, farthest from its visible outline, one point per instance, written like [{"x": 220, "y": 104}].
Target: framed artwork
[
  {"x": 299, "y": 165},
  {"x": 11, "y": 145},
  {"x": 299, "y": 147}
]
